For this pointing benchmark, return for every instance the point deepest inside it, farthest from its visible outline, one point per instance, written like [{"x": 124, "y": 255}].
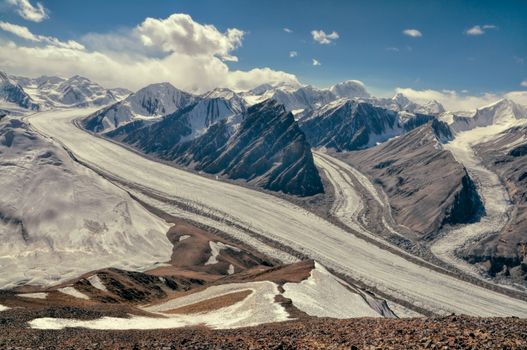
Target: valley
[{"x": 285, "y": 223}]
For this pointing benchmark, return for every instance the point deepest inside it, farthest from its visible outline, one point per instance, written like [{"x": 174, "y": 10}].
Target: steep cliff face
[
  {"x": 262, "y": 145},
  {"x": 505, "y": 253},
  {"x": 270, "y": 150},
  {"x": 347, "y": 125},
  {"x": 426, "y": 187}
]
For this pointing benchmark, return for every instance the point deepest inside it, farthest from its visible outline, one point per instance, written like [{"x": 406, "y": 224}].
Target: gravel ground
[{"x": 453, "y": 332}]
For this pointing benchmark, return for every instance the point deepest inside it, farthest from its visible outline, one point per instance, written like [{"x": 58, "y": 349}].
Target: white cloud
[
  {"x": 517, "y": 96},
  {"x": 316, "y": 62},
  {"x": 179, "y": 33},
  {"x": 287, "y": 30},
  {"x": 28, "y": 11},
  {"x": 322, "y": 38},
  {"x": 293, "y": 54},
  {"x": 25, "y": 33},
  {"x": 392, "y": 49},
  {"x": 177, "y": 49},
  {"x": 479, "y": 29},
  {"x": 454, "y": 101},
  {"x": 20, "y": 31},
  {"x": 524, "y": 83},
  {"x": 414, "y": 33}
]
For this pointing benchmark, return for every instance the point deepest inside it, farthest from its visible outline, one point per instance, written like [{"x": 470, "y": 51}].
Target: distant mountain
[
  {"x": 401, "y": 103},
  {"x": 426, "y": 187},
  {"x": 292, "y": 98},
  {"x": 75, "y": 92},
  {"x": 347, "y": 125},
  {"x": 303, "y": 99},
  {"x": 262, "y": 145},
  {"x": 120, "y": 93},
  {"x": 13, "y": 93},
  {"x": 350, "y": 89},
  {"x": 152, "y": 101},
  {"x": 501, "y": 112}
]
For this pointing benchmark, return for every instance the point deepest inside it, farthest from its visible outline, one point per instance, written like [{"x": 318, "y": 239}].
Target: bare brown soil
[{"x": 212, "y": 303}]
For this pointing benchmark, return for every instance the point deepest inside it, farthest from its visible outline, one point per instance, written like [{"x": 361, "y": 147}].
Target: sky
[{"x": 463, "y": 52}]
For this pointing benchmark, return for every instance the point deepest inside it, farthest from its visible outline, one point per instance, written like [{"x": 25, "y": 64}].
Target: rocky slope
[
  {"x": 347, "y": 125},
  {"x": 505, "y": 253},
  {"x": 426, "y": 187},
  {"x": 453, "y": 332},
  {"x": 263, "y": 146}
]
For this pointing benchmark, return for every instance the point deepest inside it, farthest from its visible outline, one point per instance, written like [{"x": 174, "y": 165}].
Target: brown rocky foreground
[{"x": 453, "y": 332}]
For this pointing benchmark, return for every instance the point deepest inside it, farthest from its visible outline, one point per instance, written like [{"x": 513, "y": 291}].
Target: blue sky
[{"x": 371, "y": 46}]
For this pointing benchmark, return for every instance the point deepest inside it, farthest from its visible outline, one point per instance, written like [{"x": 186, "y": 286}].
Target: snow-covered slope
[
  {"x": 150, "y": 102},
  {"x": 12, "y": 94},
  {"x": 501, "y": 112},
  {"x": 58, "y": 219}
]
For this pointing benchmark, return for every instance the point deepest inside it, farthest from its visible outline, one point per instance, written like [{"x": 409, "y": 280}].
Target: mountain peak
[{"x": 350, "y": 89}]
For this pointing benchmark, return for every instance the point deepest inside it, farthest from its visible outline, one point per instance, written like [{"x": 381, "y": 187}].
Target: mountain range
[{"x": 263, "y": 137}]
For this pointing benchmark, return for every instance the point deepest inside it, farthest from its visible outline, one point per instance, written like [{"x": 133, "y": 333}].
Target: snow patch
[
  {"x": 34, "y": 295},
  {"x": 325, "y": 295},
  {"x": 183, "y": 237},
  {"x": 216, "y": 248},
  {"x": 96, "y": 282},
  {"x": 257, "y": 308},
  {"x": 4, "y": 308},
  {"x": 73, "y": 292}
]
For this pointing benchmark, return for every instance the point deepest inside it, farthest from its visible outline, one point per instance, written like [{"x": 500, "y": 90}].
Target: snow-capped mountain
[
  {"x": 262, "y": 145},
  {"x": 75, "y": 92},
  {"x": 503, "y": 111},
  {"x": 291, "y": 97},
  {"x": 400, "y": 102},
  {"x": 13, "y": 95},
  {"x": 349, "y": 125},
  {"x": 235, "y": 101},
  {"x": 150, "y": 102},
  {"x": 350, "y": 89}
]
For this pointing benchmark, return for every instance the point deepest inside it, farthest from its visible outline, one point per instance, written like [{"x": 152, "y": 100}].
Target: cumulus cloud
[
  {"x": 26, "y": 34},
  {"x": 524, "y": 83},
  {"x": 414, "y": 33},
  {"x": 479, "y": 29},
  {"x": 322, "y": 38},
  {"x": 179, "y": 33},
  {"x": 293, "y": 54},
  {"x": 316, "y": 62},
  {"x": 287, "y": 30},
  {"x": 27, "y": 11},
  {"x": 454, "y": 101},
  {"x": 188, "y": 54}
]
